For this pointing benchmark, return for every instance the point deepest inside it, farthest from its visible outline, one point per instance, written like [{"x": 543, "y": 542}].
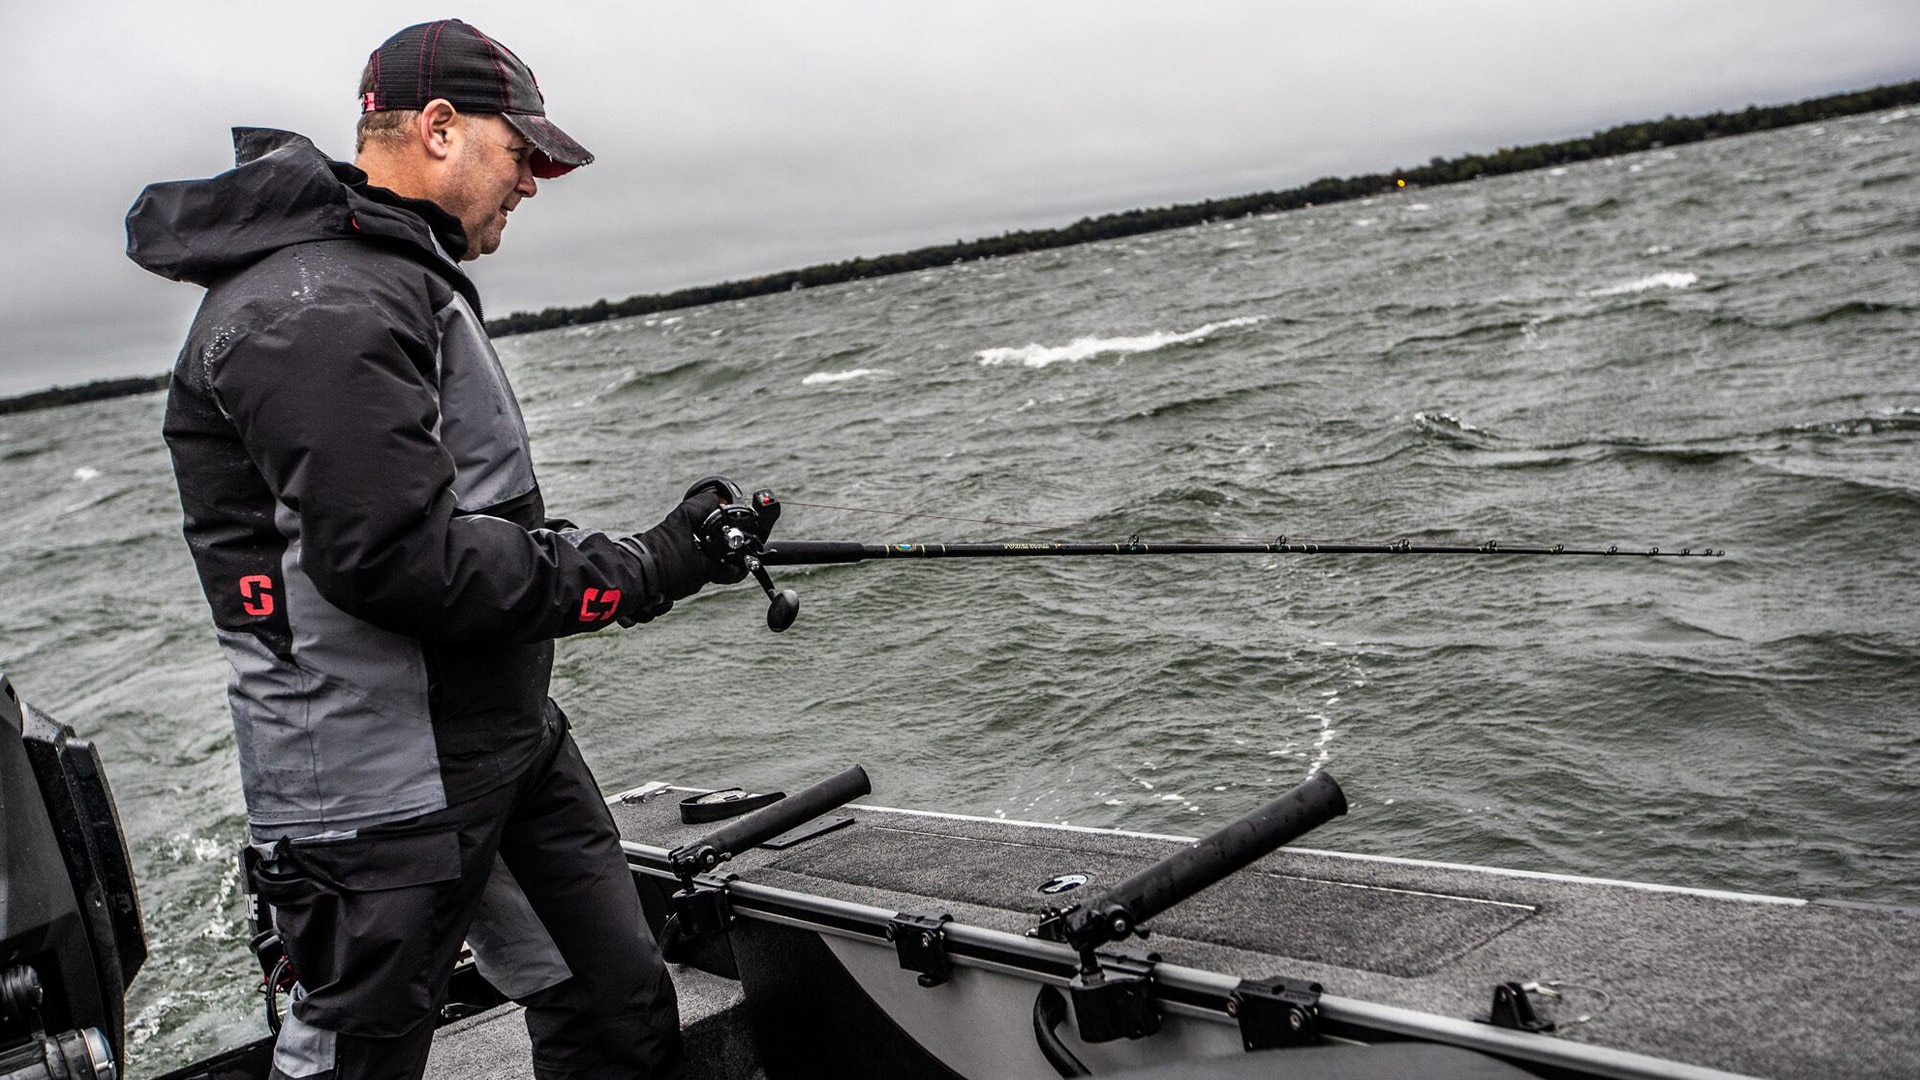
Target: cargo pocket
[{"x": 367, "y": 923}]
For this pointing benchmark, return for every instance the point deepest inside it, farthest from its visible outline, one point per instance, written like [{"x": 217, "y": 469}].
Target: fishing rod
[
  {"x": 817, "y": 552},
  {"x": 738, "y": 534}
]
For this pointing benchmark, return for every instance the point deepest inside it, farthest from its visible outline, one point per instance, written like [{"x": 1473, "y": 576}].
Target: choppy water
[{"x": 1713, "y": 345}]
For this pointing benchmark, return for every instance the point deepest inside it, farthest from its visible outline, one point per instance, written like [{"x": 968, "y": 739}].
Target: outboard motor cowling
[{"x": 71, "y": 939}]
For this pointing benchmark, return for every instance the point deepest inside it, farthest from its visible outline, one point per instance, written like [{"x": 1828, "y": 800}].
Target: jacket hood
[{"x": 282, "y": 191}]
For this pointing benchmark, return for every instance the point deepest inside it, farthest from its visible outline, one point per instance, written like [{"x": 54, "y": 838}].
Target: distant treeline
[
  {"x": 98, "y": 390},
  {"x": 1627, "y": 138}
]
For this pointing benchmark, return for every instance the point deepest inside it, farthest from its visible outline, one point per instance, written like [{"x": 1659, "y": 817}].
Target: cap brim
[{"x": 557, "y": 154}]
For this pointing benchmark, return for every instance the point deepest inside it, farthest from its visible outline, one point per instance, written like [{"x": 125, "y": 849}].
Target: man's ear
[{"x": 438, "y": 128}]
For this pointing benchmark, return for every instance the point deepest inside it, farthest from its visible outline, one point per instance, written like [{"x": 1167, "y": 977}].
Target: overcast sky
[{"x": 741, "y": 137}]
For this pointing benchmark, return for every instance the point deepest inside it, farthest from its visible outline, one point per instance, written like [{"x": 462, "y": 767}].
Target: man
[{"x": 361, "y": 507}]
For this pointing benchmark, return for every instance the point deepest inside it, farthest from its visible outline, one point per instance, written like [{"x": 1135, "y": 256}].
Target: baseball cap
[{"x": 449, "y": 59}]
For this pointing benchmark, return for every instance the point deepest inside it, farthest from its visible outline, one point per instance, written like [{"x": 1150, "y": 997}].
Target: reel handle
[{"x": 783, "y": 606}]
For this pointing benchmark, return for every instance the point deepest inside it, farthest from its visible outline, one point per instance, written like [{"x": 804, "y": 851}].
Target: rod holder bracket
[
  {"x": 702, "y": 909},
  {"x": 921, "y": 943},
  {"x": 1115, "y": 1000},
  {"x": 1276, "y": 1012}
]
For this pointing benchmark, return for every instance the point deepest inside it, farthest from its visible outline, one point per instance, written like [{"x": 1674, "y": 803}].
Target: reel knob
[{"x": 782, "y": 608}]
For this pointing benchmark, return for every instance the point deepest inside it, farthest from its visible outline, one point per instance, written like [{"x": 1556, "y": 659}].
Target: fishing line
[
  {"x": 1026, "y": 525},
  {"x": 738, "y": 535},
  {"x": 1280, "y": 543}
]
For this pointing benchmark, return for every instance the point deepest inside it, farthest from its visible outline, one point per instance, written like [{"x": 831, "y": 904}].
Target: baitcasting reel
[{"x": 734, "y": 535}]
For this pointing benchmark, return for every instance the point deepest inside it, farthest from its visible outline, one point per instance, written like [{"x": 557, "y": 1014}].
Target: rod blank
[{"x": 815, "y": 552}]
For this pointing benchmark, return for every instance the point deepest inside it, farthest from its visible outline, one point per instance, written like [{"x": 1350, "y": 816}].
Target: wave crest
[
  {"x": 824, "y": 378},
  {"x": 1037, "y": 356},
  {"x": 1666, "y": 279},
  {"x": 1450, "y": 428}
]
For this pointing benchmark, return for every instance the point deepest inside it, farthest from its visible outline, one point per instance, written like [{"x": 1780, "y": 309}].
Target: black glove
[
  {"x": 721, "y": 570},
  {"x": 673, "y": 565}
]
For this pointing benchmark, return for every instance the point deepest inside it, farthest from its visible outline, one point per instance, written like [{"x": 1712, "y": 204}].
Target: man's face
[{"x": 490, "y": 171}]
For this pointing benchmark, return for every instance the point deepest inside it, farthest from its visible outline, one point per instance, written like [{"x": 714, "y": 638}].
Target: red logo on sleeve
[
  {"x": 609, "y": 602},
  {"x": 256, "y": 595}
]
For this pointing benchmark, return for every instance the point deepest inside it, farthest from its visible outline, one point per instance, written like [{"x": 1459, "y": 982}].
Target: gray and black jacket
[{"x": 360, "y": 500}]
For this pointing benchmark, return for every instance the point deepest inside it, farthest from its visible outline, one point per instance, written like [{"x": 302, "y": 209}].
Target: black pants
[{"x": 373, "y": 922}]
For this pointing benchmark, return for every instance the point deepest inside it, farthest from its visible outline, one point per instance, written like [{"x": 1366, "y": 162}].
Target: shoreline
[
  {"x": 1610, "y": 142},
  {"x": 81, "y": 393}
]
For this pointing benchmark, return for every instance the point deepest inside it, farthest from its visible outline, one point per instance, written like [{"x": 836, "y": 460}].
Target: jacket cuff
[{"x": 648, "y": 601}]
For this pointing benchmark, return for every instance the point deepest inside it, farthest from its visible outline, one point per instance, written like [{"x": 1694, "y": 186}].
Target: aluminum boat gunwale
[{"x": 1184, "y": 990}]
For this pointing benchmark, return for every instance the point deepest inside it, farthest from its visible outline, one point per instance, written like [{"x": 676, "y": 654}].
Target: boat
[{"x": 821, "y": 936}]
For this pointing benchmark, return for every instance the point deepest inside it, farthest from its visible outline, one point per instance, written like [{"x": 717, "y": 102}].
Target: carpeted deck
[
  {"x": 1744, "y": 984},
  {"x": 493, "y": 1045}
]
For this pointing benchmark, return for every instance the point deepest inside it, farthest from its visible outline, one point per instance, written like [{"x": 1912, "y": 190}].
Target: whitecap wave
[
  {"x": 1448, "y": 420},
  {"x": 822, "y": 378},
  {"x": 1086, "y": 348},
  {"x": 1666, "y": 279},
  {"x": 85, "y": 473}
]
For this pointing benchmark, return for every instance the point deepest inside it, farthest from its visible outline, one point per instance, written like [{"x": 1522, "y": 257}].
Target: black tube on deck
[
  {"x": 763, "y": 825},
  {"x": 1115, "y": 913}
]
